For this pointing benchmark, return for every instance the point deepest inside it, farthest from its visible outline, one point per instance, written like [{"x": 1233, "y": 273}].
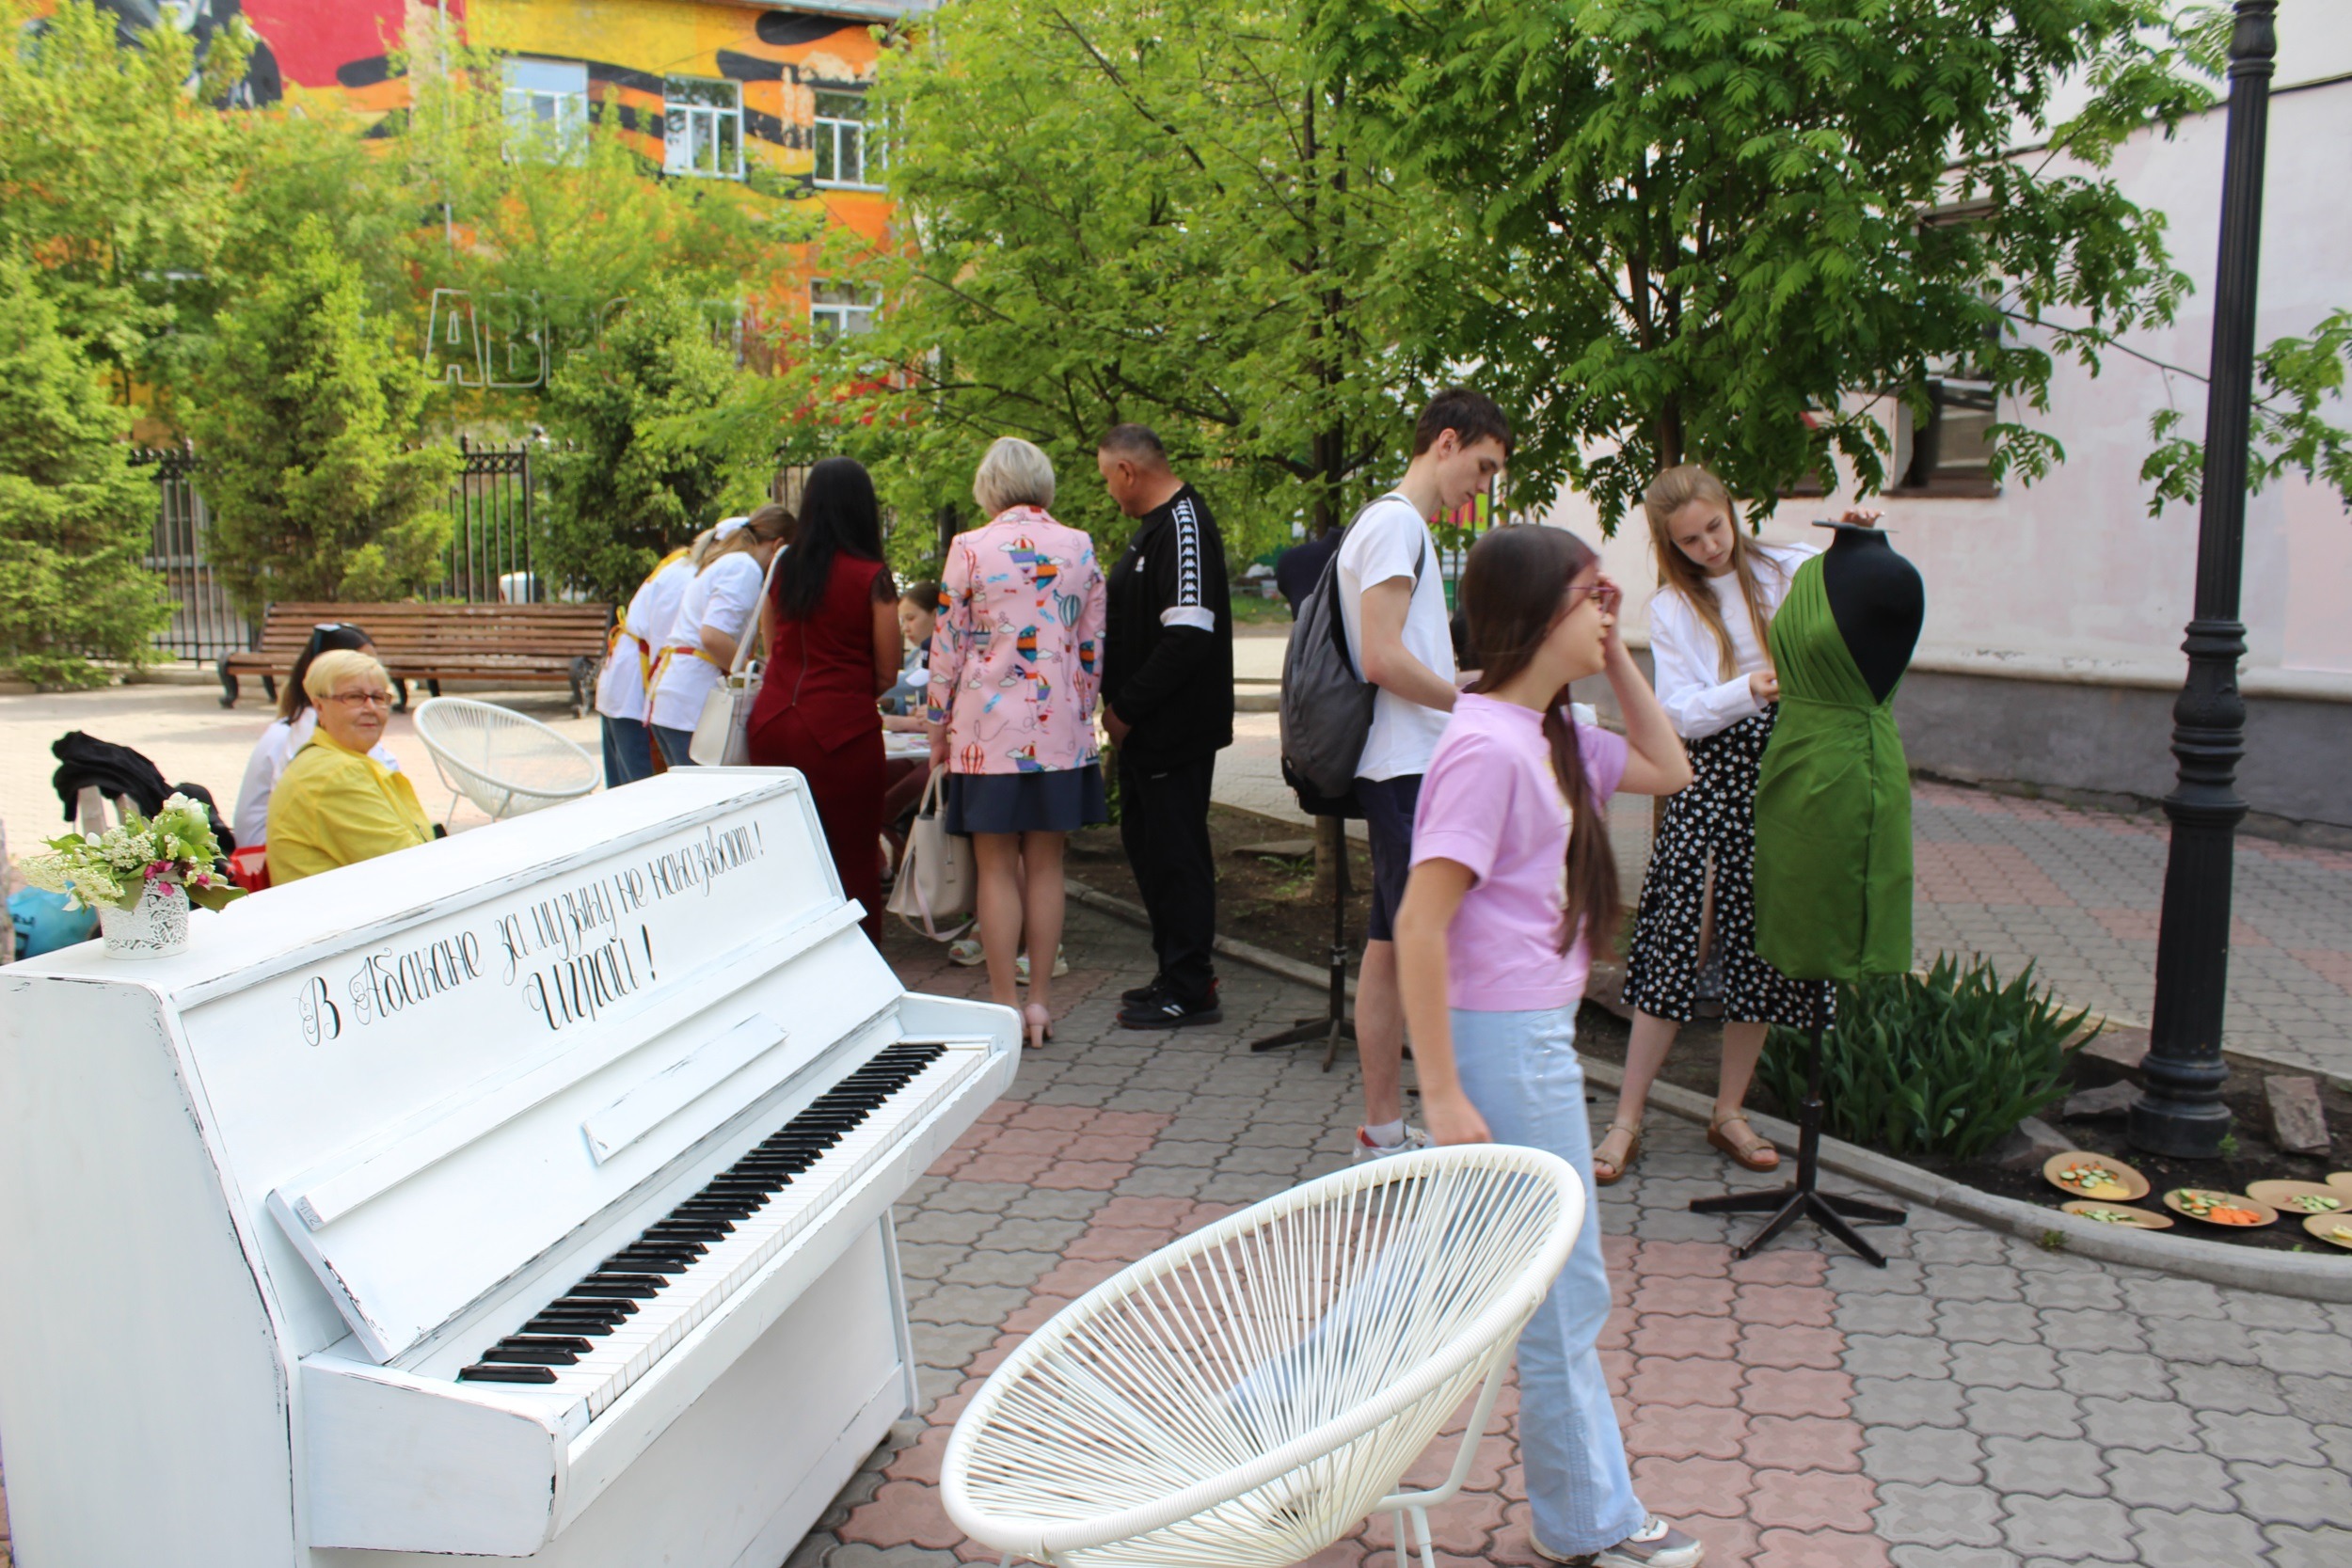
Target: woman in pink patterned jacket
[{"x": 1016, "y": 661}]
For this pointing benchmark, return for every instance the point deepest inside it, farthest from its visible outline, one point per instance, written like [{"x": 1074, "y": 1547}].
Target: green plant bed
[{"x": 1945, "y": 1064}]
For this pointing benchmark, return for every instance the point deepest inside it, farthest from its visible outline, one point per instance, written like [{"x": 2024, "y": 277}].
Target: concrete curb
[{"x": 2313, "y": 1278}]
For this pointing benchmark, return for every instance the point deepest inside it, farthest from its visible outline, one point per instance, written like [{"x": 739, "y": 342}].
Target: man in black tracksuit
[{"x": 1167, "y": 701}]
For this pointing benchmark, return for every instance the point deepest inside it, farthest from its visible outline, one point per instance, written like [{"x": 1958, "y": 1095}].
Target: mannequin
[
  {"x": 1833, "y": 822},
  {"x": 1878, "y": 601}
]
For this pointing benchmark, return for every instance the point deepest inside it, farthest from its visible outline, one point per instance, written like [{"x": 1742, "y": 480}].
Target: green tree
[
  {"x": 76, "y": 515},
  {"x": 651, "y": 459},
  {"x": 1151, "y": 212},
  {"x": 116, "y": 178},
  {"x": 1711, "y": 221},
  {"x": 308, "y": 414}
]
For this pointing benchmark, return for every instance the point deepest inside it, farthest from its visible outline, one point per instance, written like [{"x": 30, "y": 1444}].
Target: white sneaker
[
  {"x": 1366, "y": 1149},
  {"x": 1656, "y": 1545},
  {"x": 1021, "y": 966}
]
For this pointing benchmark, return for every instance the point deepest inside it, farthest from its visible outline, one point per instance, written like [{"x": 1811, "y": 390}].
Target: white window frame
[
  {"x": 837, "y": 310},
  {"x": 831, "y": 136},
  {"x": 692, "y": 124},
  {"x": 547, "y": 107}
]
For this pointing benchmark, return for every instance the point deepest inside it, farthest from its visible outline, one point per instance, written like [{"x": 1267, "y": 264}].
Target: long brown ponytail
[{"x": 1515, "y": 590}]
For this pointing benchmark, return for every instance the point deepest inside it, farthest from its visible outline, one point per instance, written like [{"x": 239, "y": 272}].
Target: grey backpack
[{"x": 1326, "y": 707}]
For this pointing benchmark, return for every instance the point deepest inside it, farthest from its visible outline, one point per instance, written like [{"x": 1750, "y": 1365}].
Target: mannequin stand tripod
[
  {"x": 1334, "y": 1026},
  {"x": 1801, "y": 1199}
]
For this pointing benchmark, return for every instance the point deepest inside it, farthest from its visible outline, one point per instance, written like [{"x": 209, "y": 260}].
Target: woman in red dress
[{"x": 831, "y": 619}]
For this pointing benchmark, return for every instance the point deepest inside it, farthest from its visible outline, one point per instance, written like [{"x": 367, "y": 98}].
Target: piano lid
[{"x": 432, "y": 1067}]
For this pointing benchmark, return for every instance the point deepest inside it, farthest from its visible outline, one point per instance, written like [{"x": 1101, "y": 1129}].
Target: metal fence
[{"x": 493, "y": 498}]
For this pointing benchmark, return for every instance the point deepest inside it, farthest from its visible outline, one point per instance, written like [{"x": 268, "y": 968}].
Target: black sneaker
[
  {"x": 1164, "y": 1009},
  {"x": 1144, "y": 992}
]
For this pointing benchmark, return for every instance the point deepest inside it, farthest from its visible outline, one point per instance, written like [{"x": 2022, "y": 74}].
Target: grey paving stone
[
  {"x": 950, "y": 1345},
  {"x": 2293, "y": 1546},
  {"x": 2076, "y": 1286},
  {"x": 2193, "y": 1340},
  {"x": 2070, "y": 1528},
  {"x": 1951, "y": 1557},
  {"x": 2004, "y": 1366},
  {"x": 948, "y": 1226},
  {"x": 2225, "y": 1387},
  {"x": 1162, "y": 1181},
  {"x": 2196, "y": 1538},
  {"x": 988, "y": 1305},
  {"x": 1908, "y": 1401},
  {"x": 982, "y": 1266},
  {"x": 1046, "y": 1203},
  {"x": 1091, "y": 1094},
  {"x": 2117, "y": 1373},
  {"x": 1852, "y": 1277},
  {"x": 2045, "y": 1466},
  {"x": 2135, "y": 1422},
  {"x": 1893, "y": 1355},
  {"x": 1988, "y": 1321},
  {"x": 1957, "y": 1245},
  {"x": 1922, "y": 1455},
  {"x": 1938, "y": 1514},
  {"x": 2296, "y": 1347},
  {"x": 976, "y": 1196},
  {"x": 1031, "y": 1233},
  {"x": 1975, "y": 1282},
  {"x": 2256, "y": 1310},
  {"x": 2167, "y": 1296},
  {"x": 2167, "y": 1477},
  {"x": 1198, "y": 1154},
  {"x": 2023, "y": 1413},
  {"x": 1897, "y": 1315},
  {"x": 2310, "y": 1496},
  {"x": 2262, "y": 1439}
]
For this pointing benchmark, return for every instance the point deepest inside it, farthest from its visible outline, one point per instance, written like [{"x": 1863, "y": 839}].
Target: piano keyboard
[{"x": 615, "y": 1324}]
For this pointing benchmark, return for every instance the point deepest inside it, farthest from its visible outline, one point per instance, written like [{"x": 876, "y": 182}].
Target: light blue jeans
[{"x": 1522, "y": 1072}]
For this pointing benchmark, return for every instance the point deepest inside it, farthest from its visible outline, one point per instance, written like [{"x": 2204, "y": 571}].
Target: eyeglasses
[{"x": 362, "y": 699}]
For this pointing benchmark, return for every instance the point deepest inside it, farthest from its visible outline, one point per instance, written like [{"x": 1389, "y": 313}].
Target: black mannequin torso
[{"x": 1878, "y": 601}]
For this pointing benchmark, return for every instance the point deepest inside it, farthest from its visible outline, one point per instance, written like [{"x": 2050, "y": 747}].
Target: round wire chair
[
  {"x": 1246, "y": 1395},
  {"x": 505, "y": 761}
]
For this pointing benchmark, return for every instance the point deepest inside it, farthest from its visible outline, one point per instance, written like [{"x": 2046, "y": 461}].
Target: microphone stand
[{"x": 1335, "y": 1025}]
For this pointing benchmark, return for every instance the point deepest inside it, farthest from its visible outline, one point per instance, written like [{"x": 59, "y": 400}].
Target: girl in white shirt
[
  {"x": 714, "y": 614},
  {"x": 291, "y": 730},
  {"x": 637, "y": 641},
  {"x": 1708, "y": 626}
]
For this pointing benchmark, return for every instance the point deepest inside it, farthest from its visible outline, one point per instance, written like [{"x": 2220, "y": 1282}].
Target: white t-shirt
[
  {"x": 1691, "y": 688},
  {"x": 271, "y": 753},
  {"x": 1389, "y": 540},
  {"x": 724, "y": 594},
  {"x": 652, "y": 610}
]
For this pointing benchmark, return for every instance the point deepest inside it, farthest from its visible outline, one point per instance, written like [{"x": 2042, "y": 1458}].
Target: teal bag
[{"x": 43, "y": 924}]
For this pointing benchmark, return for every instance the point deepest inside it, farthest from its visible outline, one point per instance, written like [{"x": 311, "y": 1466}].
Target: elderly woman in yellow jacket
[{"x": 335, "y": 805}]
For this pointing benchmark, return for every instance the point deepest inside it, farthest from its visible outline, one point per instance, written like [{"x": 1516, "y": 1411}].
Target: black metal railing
[{"x": 204, "y": 624}]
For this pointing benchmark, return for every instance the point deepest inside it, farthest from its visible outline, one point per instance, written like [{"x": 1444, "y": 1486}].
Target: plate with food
[
  {"x": 2335, "y": 1229},
  {"x": 2079, "y": 1173},
  {"x": 2118, "y": 1213},
  {"x": 2303, "y": 1197},
  {"x": 2233, "y": 1210},
  {"x": 2340, "y": 1179}
]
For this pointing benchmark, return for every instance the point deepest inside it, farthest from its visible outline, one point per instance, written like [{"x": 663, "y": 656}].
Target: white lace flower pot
[{"x": 154, "y": 927}]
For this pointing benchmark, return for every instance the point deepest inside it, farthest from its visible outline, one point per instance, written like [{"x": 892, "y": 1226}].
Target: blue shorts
[{"x": 1389, "y": 805}]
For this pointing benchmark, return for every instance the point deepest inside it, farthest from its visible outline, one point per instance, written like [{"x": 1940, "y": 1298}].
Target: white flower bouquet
[{"x": 114, "y": 868}]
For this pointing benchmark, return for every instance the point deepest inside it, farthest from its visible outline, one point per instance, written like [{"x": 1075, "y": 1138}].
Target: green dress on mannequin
[{"x": 1833, "y": 807}]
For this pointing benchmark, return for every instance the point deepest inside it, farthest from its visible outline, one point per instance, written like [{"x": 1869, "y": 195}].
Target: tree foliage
[
  {"x": 1712, "y": 220},
  {"x": 650, "y": 463},
  {"x": 308, "y": 420},
  {"x": 1151, "y": 211},
  {"x": 75, "y": 515}
]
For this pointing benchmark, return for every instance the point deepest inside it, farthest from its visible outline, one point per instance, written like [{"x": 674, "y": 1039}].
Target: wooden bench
[{"x": 511, "y": 644}]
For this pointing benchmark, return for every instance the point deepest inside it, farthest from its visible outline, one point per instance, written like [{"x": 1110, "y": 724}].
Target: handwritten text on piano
[{"x": 569, "y": 954}]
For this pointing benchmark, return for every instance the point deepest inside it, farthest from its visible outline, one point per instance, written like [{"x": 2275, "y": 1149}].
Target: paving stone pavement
[{"x": 1979, "y": 1403}]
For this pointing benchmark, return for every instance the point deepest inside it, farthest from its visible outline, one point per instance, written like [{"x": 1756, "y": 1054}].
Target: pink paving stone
[
  {"x": 1692, "y": 1296},
  {"x": 2333, "y": 967},
  {"x": 1802, "y": 1305},
  {"x": 1781, "y": 1548},
  {"x": 1729, "y": 1542},
  {"x": 1678, "y": 1487},
  {"x": 1506, "y": 1409},
  {"x": 1106, "y": 1146},
  {"x": 1436, "y": 1463},
  {"x": 1339, "y": 1554},
  {"x": 1676, "y": 1383},
  {"x": 1148, "y": 1124},
  {"x": 1618, "y": 1367},
  {"x": 1998, "y": 874},
  {"x": 1514, "y": 1483},
  {"x": 1617, "y": 1254},
  {"x": 1058, "y": 1119},
  {"x": 1001, "y": 1110},
  {"x": 1098, "y": 1176},
  {"x": 920, "y": 1460},
  {"x": 1781, "y": 1268},
  {"x": 1687, "y": 1431},
  {"x": 1163, "y": 1213},
  {"x": 1660, "y": 1259},
  {"x": 1617, "y": 1331},
  {"x": 1035, "y": 1314},
  {"x": 1075, "y": 1276},
  {"x": 903, "y": 1513},
  {"x": 1042, "y": 1141},
  {"x": 1000, "y": 1167},
  {"x": 1785, "y": 1345},
  {"x": 1709, "y": 1338},
  {"x": 1122, "y": 1241},
  {"x": 1804, "y": 1442},
  {"x": 951, "y": 1163},
  {"x": 1779, "y": 1391},
  {"x": 1813, "y": 1501},
  {"x": 1465, "y": 1525}
]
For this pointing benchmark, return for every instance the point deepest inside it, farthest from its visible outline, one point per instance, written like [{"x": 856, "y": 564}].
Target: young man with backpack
[{"x": 1391, "y": 602}]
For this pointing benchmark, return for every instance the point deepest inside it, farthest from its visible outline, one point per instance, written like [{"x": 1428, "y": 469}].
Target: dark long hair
[
  {"x": 838, "y": 517},
  {"x": 324, "y": 637},
  {"x": 1515, "y": 590}
]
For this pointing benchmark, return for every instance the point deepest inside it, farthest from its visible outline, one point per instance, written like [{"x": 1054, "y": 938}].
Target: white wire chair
[
  {"x": 505, "y": 761},
  {"x": 1244, "y": 1396}
]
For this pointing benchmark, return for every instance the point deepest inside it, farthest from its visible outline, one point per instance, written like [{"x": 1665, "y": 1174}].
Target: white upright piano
[{"x": 526, "y": 1194}]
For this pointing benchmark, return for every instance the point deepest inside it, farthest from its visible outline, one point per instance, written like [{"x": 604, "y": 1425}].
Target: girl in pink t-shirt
[{"x": 1513, "y": 887}]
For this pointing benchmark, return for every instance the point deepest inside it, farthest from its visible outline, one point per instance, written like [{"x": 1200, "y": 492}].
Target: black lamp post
[{"x": 2180, "y": 1112}]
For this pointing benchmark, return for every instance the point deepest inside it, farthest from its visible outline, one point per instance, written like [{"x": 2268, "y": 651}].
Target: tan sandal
[
  {"x": 1616, "y": 1168},
  {"x": 1756, "y": 1154}
]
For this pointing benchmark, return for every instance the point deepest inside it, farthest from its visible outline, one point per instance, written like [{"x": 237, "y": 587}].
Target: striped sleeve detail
[{"x": 1187, "y": 611}]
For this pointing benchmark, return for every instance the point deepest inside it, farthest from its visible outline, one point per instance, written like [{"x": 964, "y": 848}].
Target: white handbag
[
  {"x": 722, "y": 736},
  {"x": 936, "y": 876}
]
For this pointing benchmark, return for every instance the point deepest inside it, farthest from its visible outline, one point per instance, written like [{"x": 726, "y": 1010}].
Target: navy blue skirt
[{"x": 1058, "y": 801}]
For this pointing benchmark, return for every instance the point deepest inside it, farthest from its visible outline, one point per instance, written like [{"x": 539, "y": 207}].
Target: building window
[
  {"x": 1951, "y": 450},
  {"x": 840, "y": 310},
  {"x": 547, "y": 108},
  {"x": 702, "y": 128},
  {"x": 845, "y": 154}
]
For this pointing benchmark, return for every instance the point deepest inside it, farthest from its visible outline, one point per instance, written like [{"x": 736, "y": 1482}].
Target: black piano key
[
  {"x": 650, "y": 1259},
  {"x": 586, "y": 1328},
  {"x": 528, "y": 1355},
  {"x": 575, "y": 1298},
  {"x": 629, "y": 1287},
  {"x": 499, "y": 1371}
]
